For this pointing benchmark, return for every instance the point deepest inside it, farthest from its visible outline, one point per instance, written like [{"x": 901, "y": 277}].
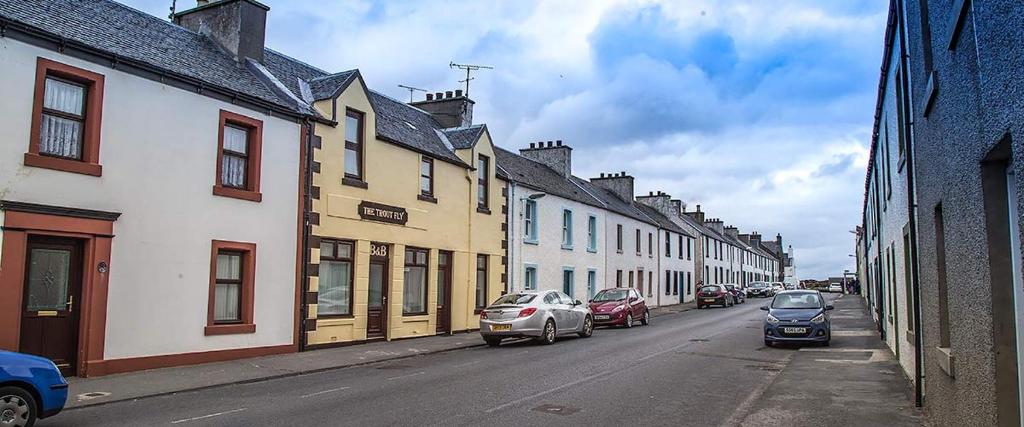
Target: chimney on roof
[
  {"x": 778, "y": 240},
  {"x": 237, "y": 26},
  {"x": 755, "y": 239},
  {"x": 733, "y": 232},
  {"x": 619, "y": 184},
  {"x": 661, "y": 202},
  {"x": 678, "y": 207},
  {"x": 557, "y": 157},
  {"x": 697, "y": 215},
  {"x": 450, "y": 109}
]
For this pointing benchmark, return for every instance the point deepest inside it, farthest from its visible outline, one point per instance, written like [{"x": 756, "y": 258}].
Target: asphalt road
[{"x": 699, "y": 367}]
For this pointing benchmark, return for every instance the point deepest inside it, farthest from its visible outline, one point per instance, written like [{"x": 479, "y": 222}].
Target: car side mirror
[
  {"x": 830, "y": 307},
  {"x": 577, "y": 302},
  {"x": 764, "y": 307}
]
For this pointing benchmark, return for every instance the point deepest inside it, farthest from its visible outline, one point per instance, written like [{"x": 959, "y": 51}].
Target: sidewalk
[
  {"x": 671, "y": 309},
  {"x": 854, "y": 382},
  {"x": 134, "y": 385}
]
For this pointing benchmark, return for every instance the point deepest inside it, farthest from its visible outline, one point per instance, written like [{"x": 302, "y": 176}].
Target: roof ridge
[
  {"x": 291, "y": 58},
  {"x": 327, "y": 76}
]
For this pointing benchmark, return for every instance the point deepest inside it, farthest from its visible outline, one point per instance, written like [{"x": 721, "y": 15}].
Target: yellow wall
[{"x": 392, "y": 175}]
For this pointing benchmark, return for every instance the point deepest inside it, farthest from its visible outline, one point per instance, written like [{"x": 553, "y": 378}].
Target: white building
[
  {"x": 138, "y": 193},
  {"x": 682, "y": 257}
]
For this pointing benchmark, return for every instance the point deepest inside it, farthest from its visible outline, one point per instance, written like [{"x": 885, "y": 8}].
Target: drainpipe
[
  {"x": 510, "y": 217},
  {"x": 307, "y": 207}
]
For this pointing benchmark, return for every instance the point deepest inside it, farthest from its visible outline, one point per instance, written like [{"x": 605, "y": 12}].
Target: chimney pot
[
  {"x": 236, "y": 27},
  {"x": 559, "y": 142},
  {"x": 430, "y": 97},
  {"x": 458, "y": 92},
  {"x": 448, "y": 94},
  {"x": 650, "y": 193},
  {"x": 439, "y": 95},
  {"x": 532, "y": 145},
  {"x": 698, "y": 208},
  {"x": 602, "y": 174},
  {"x": 623, "y": 173}
]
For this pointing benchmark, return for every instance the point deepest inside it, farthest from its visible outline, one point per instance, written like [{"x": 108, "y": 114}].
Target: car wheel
[
  {"x": 17, "y": 407},
  {"x": 493, "y": 342},
  {"x": 548, "y": 336},
  {"x": 646, "y": 320},
  {"x": 588, "y": 328},
  {"x": 629, "y": 320}
]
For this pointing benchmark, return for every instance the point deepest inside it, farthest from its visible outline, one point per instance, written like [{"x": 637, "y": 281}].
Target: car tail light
[
  {"x": 483, "y": 314},
  {"x": 527, "y": 312}
]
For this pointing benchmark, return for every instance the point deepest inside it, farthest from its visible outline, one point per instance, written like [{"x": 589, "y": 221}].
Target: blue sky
[{"x": 759, "y": 111}]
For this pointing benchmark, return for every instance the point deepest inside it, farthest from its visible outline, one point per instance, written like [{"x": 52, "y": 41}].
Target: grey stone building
[{"x": 952, "y": 73}]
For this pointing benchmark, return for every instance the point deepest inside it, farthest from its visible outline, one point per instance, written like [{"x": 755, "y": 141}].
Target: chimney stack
[
  {"x": 697, "y": 215},
  {"x": 237, "y": 26},
  {"x": 557, "y": 157},
  {"x": 661, "y": 202},
  {"x": 619, "y": 184},
  {"x": 450, "y": 109}
]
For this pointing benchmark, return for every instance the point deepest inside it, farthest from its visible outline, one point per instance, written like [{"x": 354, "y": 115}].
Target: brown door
[
  {"x": 444, "y": 292},
  {"x": 377, "y": 300},
  {"x": 53, "y": 286}
]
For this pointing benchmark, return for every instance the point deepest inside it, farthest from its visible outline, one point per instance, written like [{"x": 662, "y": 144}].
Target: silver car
[{"x": 542, "y": 315}]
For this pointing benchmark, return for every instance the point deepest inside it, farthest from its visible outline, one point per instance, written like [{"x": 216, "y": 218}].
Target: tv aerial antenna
[
  {"x": 412, "y": 90},
  {"x": 174, "y": 7},
  {"x": 469, "y": 68}
]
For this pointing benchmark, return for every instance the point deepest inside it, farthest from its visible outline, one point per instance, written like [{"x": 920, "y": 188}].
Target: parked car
[
  {"x": 31, "y": 388},
  {"x": 542, "y": 315},
  {"x": 714, "y": 295},
  {"x": 619, "y": 307},
  {"x": 835, "y": 287},
  {"x": 789, "y": 286},
  {"x": 778, "y": 287},
  {"x": 738, "y": 294},
  {"x": 797, "y": 317},
  {"x": 760, "y": 289}
]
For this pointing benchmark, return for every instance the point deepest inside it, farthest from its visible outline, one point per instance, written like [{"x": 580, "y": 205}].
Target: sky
[{"x": 759, "y": 111}]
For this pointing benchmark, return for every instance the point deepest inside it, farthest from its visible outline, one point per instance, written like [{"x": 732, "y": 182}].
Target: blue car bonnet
[{"x": 804, "y": 314}]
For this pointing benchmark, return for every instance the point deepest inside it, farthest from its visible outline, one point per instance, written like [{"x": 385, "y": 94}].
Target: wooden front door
[
  {"x": 377, "y": 299},
  {"x": 444, "y": 292},
  {"x": 52, "y": 298}
]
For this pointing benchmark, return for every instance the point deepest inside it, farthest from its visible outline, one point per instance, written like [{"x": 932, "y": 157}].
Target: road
[{"x": 699, "y": 367}]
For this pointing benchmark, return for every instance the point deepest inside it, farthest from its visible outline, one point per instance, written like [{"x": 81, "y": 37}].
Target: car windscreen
[
  {"x": 610, "y": 295},
  {"x": 516, "y": 299},
  {"x": 758, "y": 285},
  {"x": 796, "y": 300},
  {"x": 710, "y": 289}
]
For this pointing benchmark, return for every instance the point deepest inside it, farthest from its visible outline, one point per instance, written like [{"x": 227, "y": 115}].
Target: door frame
[
  {"x": 76, "y": 275},
  {"x": 385, "y": 289},
  {"x": 95, "y": 230},
  {"x": 447, "y": 285}
]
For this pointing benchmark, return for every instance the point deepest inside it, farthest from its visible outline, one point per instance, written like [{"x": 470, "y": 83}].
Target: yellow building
[{"x": 407, "y": 231}]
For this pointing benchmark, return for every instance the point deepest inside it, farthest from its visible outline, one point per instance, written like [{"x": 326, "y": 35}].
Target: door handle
[{"x": 71, "y": 303}]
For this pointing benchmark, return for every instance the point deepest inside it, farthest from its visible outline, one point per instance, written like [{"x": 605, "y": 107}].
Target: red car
[
  {"x": 619, "y": 307},
  {"x": 714, "y": 295}
]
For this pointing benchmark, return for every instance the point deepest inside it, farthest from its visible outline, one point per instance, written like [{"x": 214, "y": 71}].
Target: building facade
[{"x": 684, "y": 258}]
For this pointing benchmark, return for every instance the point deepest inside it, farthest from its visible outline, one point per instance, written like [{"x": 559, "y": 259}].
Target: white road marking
[
  {"x": 405, "y": 376},
  {"x": 547, "y": 392},
  {"x": 324, "y": 392},
  {"x": 208, "y": 416},
  {"x": 466, "y": 364}
]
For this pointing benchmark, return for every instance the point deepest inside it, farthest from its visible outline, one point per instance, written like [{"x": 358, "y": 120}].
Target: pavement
[{"x": 689, "y": 367}]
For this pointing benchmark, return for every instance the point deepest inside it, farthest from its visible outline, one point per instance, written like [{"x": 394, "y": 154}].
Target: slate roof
[
  {"x": 613, "y": 202},
  {"x": 128, "y": 33},
  {"x": 541, "y": 177},
  {"x": 464, "y": 137},
  {"x": 663, "y": 221}
]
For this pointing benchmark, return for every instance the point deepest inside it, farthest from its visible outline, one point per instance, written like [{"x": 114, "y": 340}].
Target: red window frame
[
  {"x": 247, "y": 324},
  {"x": 254, "y": 127},
  {"x": 89, "y": 164}
]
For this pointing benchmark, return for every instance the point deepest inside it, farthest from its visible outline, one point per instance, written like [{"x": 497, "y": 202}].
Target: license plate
[
  {"x": 501, "y": 327},
  {"x": 709, "y": 300},
  {"x": 602, "y": 317},
  {"x": 795, "y": 330}
]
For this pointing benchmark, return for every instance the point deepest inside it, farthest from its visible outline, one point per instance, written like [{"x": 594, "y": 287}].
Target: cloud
[{"x": 759, "y": 111}]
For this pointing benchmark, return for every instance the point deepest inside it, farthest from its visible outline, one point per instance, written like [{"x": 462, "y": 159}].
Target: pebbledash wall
[{"x": 158, "y": 151}]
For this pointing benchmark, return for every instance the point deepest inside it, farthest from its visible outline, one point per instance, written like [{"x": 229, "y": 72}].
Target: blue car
[
  {"x": 31, "y": 388},
  {"x": 798, "y": 316}
]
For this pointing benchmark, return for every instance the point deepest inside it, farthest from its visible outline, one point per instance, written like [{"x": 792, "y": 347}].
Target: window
[
  {"x": 238, "y": 157},
  {"x": 232, "y": 278},
  {"x": 668, "y": 245},
  {"x": 530, "y": 221},
  {"x": 530, "y": 278},
  {"x": 414, "y": 290},
  {"x": 483, "y": 184},
  {"x": 65, "y": 129},
  {"x": 618, "y": 237},
  {"x": 427, "y": 178},
  {"x": 631, "y": 278},
  {"x": 638, "y": 241},
  {"x": 689, "y": 248},
  {"x": 681, "y": 240},
  {"x": 592, "y": 233},
  {"x": 334, "y": 295},
  {"x": 650, "y": 283},
  {"x": 640, "y": 281},
  {"x": 618, "y": 278},
  {"x": 668, "y": 282},
  {"x": 591, "y": 284},
  {"x": 566, "y": 229},
  {"x": 568, "y": 281},
  {"x": 355, "y": 149},
  {"x": 650, "y": 244},
  {"x": 675, "y": 282},
  {"x": 689, "y": 283},
  {"x": 481, "y": 282}
]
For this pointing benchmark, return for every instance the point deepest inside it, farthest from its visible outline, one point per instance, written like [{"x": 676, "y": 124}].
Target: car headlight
[
  {"x": 772, "y": 319},
  {"x": 618, "y": 308},
  {"x": 819, "y": 318}
]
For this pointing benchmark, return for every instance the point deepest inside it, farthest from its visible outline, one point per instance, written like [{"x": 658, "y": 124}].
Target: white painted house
[
  {"x": 678, "y": 256},
  {"x": 134, "y": 201}
]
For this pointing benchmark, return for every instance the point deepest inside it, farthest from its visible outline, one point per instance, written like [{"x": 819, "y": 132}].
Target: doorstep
[{"x": 156, "y": 382}]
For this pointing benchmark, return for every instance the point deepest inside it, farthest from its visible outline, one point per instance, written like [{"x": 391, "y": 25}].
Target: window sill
[
  {"x": 530, "y": 242},
  {"x": 483, "y": 210},
  {"x": 404, "y": 314},
  {"x": 353, "y": 182},
  {"x": 944, "y": 356},
  {"x": 240, "y": 328},
  {"x": 237, "y": 193},
  {"x": 592, "y": 250},
  {"x": 426, "y": 198},
  {"x": 619, "y": 251},
  {"x": 566, "y": 248},
  {"x": 65, "y": 165},
  {"x": 334, "y": 316}
]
